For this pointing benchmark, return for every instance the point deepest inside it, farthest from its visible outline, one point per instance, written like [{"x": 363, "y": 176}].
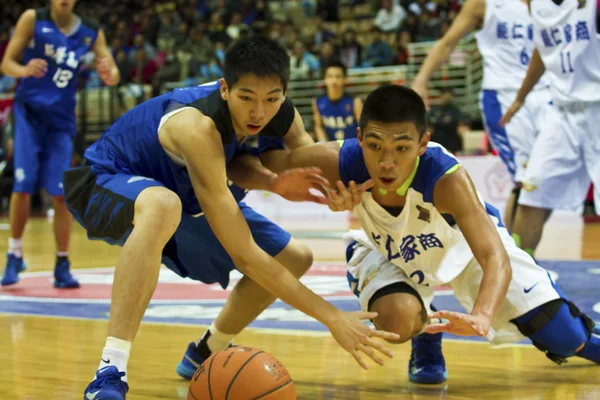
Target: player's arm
[
  {"x": 318, "y": 123},
  {"x": 297, "y": 136},
  {"x": 105, "y": 63},
  {"x": 455, "y": 194},
  {"x": 358, "y": 107},
  {"x": 471, "y": 14},
  {"x": 22, "y": 35},
  {"x": 190, "y": 131},
  {"x": 535, "y": 70}
]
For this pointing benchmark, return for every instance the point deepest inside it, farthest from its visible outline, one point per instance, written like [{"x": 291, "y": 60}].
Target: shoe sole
[
  {"x": 427, "y": 380},
  {"x": 59, "y": 285},
  {"x": 184, "y": 372}
]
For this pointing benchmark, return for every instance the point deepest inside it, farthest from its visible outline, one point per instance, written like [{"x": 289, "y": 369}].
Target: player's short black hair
[
  {"x": 335, "y": 63},
  {"x": 256, "y": 55},
  {"x": 394, "y": 103}
]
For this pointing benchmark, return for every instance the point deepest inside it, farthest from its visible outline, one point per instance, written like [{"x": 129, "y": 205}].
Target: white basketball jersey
[
  {"x": 567, "y": 40},
  {"x": 419, "y": 240},
  {"x": 506, "y": 44}
]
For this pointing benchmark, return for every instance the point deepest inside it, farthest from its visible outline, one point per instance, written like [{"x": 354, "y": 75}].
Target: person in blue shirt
[
  {"x": 335, "y": 113},
  {"x": 156, "y": 183},
  {"x": 51, "y": 42}
]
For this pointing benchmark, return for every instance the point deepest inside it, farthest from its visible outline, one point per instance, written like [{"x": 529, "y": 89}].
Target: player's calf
[{"x": 560, "y": 330}]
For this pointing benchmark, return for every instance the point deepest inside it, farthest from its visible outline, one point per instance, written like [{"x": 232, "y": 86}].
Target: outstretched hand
[
  {"x": 345, "y": 199},
  {"x": 460, "y": 324},
  {"x": 296, "y": 184},
  {"x": 356, "y": 338}
]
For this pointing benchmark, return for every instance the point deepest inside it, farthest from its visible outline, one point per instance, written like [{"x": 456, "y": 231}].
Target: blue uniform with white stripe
[
  {"x": 44, "y": 108},
  {"x": 338, "y": 117},
  {"x": 129, "y": 158}
]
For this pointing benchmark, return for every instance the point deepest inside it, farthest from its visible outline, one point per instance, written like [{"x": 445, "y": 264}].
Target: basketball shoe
[
  {"x": 107, "y": 385},
  {"x": 427, "y": 364}
]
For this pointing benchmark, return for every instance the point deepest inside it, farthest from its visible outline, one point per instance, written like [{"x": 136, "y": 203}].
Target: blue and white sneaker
[
  {"x": 191, "y": 361},
  {"x": 62, "y": 276},
  {"x": 427, "y": 364},
  {"x": 107, "y": 385},
  {"x": 14, "y": 266}
]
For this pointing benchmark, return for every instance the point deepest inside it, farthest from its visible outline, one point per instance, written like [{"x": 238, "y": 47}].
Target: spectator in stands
[
  {"x": 322, "y": 34},
  {"x": 447, "y": 124},
  {"x": 203, "y": 60},
  {"x": 402, "y": 48},
  {"x": 182, "y": 34},
  {"x": 429, "y": 27},
  {"x": 235, "y": 26},
  {"x": 124, "y": 65},
  {"x": 327, "y": 54},
  {"x": 419, "y": 6},
  {"x": 351, "y": 50},
  {"x": 389, "y": 17},
  {"x": 171, "y": 71},
  {"x": 144, "y": 69},
  {"x": 410, "y": 25},
  {"x": 220, "y": 8},
  {"x": 216, "y": 29},
  {"x": 124, "y": 33},
  {"x": 328, "y": 10},
  {"x": 260, "y": 15},
  {"x": 302, "y": 62},
  {"x": 379, "y": 53},
  {"x": 140, "y": 43}
]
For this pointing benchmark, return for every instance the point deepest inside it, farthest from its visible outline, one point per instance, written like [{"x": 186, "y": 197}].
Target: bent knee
[
  {"x": 400, "y": 313},
  {"x": 158, "y": 205}
]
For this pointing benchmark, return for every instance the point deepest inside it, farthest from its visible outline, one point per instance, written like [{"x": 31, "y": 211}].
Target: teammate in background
[
  {"x": 505, "y": 42},
  {"x": 424, "y": 225},
  {"x": 156, "y": 184},
  {"x": 51, "y": 41},
  {"x": 566, "y": 156},
  {"x": 336, "y": 113}
]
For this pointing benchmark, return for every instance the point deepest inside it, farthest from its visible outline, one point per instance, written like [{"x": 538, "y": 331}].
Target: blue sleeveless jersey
[
  {"x": 338, "y": 117},
  {"x": 53, "y": 96},
  {"x": 131, "y": 146}
]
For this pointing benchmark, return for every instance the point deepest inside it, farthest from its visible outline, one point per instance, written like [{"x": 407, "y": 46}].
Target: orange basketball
[{"x": 242, "y": 373}]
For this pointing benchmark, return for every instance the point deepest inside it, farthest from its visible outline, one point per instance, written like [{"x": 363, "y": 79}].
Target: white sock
[
  {"x": 217, "y": 340},
  {"x": 116, "y": 353},
  {"x": 62, "y": 254},
  {"x": 15, "y": 247}
]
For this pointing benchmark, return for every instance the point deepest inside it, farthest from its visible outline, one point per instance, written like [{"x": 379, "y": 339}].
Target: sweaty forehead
[{"x": 394, "y": 131}]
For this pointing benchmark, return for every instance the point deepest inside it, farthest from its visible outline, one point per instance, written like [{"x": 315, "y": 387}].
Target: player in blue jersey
[
  {"x": 156, "y": 184},
  {"x": 336, "y": 113},
  {"x": 51, "y": 42},
  {"x": 424, "y": 226}
]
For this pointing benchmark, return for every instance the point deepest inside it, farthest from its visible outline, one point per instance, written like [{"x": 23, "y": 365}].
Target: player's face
[
  {"x": 253, "y": 102},
  {"x": 334, "y": 78},
  {"x": 390, "y": 151},
  {"x": 63, "y": 6}
]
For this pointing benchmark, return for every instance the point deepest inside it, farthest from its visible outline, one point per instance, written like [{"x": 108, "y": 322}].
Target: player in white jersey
[
  {"x": 505, "y": 41},
  {"x": 424, "y": 226},
  {"x": 567, "y": 152}
]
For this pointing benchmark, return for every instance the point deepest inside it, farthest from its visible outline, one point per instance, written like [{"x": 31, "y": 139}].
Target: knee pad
[{"x": 557, "y": 328}]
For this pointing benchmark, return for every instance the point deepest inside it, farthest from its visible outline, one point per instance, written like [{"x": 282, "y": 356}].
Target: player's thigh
[
  {"x": 27, "y": 146},
  {"x": 278, "y": 243},
  {"x": 383, "y": 287},
  {"x": 55, "y": 159},
  {"x": 556, "y": 177},
  {"x": 106, "y": 204}
]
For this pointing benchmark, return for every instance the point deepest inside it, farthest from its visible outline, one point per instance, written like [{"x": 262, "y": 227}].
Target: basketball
[{"x": 242, "y": 373}]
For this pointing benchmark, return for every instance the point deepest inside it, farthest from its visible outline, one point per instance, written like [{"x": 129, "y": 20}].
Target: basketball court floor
[{"x": 51, "y": 341}]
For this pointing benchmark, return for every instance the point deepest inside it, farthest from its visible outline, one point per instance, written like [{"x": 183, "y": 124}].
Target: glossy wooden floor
[{"x": 55, "y": 358}]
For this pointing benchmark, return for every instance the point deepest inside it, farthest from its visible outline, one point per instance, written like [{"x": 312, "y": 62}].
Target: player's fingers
[
  {"x": 366, "y": 315},
  {"x": 318, "y": 199},
  {"x": 346, "y": 196},
  {"x": 379, "y": 347},
  {"x": 355, "y": 194},
  {"x": 366, "y": 349},
  {"x": 437, "y": 328},
  {"x": 443, "y": 314},
  {"x": 366, "y": 185},
  {"x": 316, "y": 178},
  {"x": 384, "y": 335},
  {"x": 356, "y": 354}
]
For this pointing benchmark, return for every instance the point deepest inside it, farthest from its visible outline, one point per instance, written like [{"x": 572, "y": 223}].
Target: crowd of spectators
[{"x": 154, "y": 42}]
